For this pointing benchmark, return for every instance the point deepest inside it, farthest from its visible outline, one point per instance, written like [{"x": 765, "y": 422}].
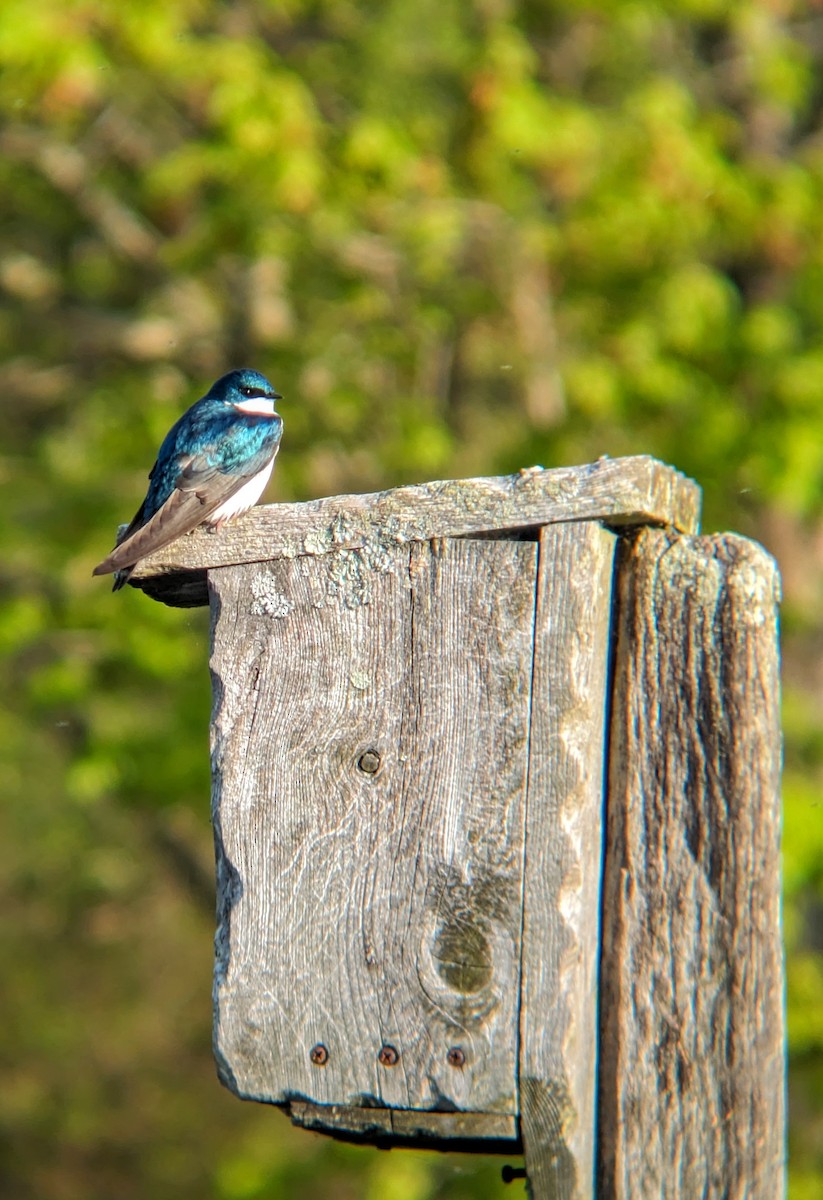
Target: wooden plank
[
  {"x": 487, "y": 1133},
  {"x": 620, "y": 492},
  {"x": 363, "y": 909},
  {"x": 692, "y": 1032},
  {"x": 558, "y": 1017}
]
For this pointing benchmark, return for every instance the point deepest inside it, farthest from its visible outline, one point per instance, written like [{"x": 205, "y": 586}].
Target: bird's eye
[{"x": 254, "y": 393}]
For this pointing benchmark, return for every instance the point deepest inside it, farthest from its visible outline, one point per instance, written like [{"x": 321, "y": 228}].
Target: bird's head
[{"x": 246, "y": 390}]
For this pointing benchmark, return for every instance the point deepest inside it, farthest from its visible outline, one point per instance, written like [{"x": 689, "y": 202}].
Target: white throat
[{"x": 260, "y": 406}]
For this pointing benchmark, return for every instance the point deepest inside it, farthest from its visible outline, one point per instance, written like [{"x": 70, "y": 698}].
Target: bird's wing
[{"x": 199, "y": 489}]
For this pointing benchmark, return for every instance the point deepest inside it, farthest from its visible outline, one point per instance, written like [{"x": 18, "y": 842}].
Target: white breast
[{"x": 242, "y": 499}]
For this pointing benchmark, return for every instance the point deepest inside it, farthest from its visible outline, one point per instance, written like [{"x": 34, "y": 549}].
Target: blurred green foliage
[{"x": 462, "y": 236}]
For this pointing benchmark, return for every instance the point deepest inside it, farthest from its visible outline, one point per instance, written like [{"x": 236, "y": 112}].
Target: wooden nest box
[{"x": 495, "y": 781}]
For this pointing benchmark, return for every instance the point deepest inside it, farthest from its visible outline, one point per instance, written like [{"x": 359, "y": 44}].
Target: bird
[{"x": 212, "y": 465}]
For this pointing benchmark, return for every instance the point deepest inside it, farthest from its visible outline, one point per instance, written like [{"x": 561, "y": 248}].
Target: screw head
[
  {"x": 369, "y": 762},
  {"x": 388, "y": 1056},
  {"x": 456, "y": 1057},
  {"x": 319, "y": 1055}
]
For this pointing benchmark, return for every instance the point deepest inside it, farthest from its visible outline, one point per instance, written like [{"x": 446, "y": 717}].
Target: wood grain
[
  {"x": 361, "y": 908},
  {"x": 455, "y": 1131},
  {"x": 558, "y": 1016},
  {"x": 620, "y": 492},
  {"x": 692, "y": 1035}
]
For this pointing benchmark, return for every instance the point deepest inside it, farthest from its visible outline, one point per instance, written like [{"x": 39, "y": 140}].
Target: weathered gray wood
[
  {"x": 621, "y": 491},
  {"x": 558, "y": 1016},
  {"x": 488, "y": 1132},
  {"x": 692, "y": 1055},
  {"x": 361, "y": 909}
]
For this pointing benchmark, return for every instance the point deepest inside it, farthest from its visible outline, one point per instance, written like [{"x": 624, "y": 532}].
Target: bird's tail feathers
[{"x": 121, "y": 578}]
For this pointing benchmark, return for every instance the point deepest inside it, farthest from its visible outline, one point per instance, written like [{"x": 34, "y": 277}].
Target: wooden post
[
  {"x": 558, "y": 988},
  {"x": 425, "y": 701},
  {"x": 692, "y": 1072}
]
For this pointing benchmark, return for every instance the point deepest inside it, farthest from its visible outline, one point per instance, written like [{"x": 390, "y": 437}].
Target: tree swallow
[{"x": 213, "y": 465}]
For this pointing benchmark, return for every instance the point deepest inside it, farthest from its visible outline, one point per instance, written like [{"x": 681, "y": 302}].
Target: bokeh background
[{"x": 461, "y": 236}]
